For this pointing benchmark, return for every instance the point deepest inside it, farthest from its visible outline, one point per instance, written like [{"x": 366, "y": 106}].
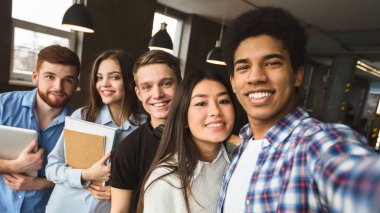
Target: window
[
  {"x": 174, "y": 28},
  {"x": 36, "y": 24}
]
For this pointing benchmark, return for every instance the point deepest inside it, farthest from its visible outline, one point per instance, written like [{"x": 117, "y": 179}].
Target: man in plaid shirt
[{"x": 288, "y": 161}]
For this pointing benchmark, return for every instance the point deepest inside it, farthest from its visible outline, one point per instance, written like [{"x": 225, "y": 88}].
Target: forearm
[
  {"x": 57, "y": 171},
  {"x": 6, "y": 166},
  {"x": 43, "y": 183}
]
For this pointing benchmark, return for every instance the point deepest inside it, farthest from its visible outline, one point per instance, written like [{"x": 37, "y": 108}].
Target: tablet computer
[{"x": 13, "y": 140}]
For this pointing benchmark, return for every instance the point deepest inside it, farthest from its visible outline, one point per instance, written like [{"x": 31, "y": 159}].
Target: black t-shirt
[{"x": 132, "y": 159}]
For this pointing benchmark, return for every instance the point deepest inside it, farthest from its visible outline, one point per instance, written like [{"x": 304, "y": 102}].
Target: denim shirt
[{"x": 18, "y": 109}]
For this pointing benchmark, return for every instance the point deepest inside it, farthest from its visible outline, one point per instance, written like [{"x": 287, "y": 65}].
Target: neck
[
  {"x": 261, "y": 127},
  {"x": 45, "y": 113},
  {"x": 154, "y": 122},
  {"x": 116, "y": 113},
  {"x": 209, "y": 153}
]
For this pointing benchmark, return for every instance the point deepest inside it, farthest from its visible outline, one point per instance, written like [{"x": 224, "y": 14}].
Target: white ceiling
[{"x": 334, "y": 26}]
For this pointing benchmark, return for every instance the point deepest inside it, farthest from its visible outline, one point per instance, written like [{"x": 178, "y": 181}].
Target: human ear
[
  {"x": 298, "y": 76},
  {"x": 138, "y": 93}
]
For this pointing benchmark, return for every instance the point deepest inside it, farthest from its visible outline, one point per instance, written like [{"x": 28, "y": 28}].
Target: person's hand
[
  {"x": 20, "y": 182},
  {"x": 100, "y": 192},
  {"x": 99, "y": 171},
  {"x": 28, "y": 160}
]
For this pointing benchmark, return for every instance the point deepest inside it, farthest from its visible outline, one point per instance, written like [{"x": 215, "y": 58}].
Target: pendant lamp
[
  {"x": 215, "y": 55},
  {"x": 161, "y": 40},
  {"x": 78, "y": 18}
]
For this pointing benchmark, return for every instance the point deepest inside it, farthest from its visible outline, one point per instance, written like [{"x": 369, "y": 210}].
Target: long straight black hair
[{"x": 177, "y": 140}]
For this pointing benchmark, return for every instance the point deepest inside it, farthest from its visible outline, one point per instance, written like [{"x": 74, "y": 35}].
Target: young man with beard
[
  {"x": 157, "y": 75},
  {"x": 42, "y": 109},
  {"x": 288, "y": 161}
]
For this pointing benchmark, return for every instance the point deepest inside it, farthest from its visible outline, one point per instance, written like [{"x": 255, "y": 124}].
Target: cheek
[
  {"x": 97, "y": 85},
  {"x": 193, "y": 118},
  {"x": 170, "y": 91},
  {"x": 229, "y": 114}
]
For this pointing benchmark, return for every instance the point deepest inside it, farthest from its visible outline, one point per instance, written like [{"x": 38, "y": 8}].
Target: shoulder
[
  {"x": 77, "y": 113},
  {"x": 321, "y": 130},
  {"x": 322, "y": 137},
  {"x": 15, "y": 96},
  {"x": 161, "y": 178},
  {"x": 134, "y": 138}
]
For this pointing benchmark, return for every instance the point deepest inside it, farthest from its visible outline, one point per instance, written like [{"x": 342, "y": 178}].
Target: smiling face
[
  {"x": 56, "y": 83},
  {"x": 264, "y": 81},
  {"x": 109, "y": 83},
  {"x": 155, "y": 88},
  {"x": 211, "y": 113}
]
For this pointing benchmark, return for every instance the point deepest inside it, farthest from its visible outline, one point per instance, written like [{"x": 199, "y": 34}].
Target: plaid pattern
[{"x": 310, "y": 166}]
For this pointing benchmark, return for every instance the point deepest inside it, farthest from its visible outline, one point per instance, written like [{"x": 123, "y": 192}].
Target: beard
[{"x": 53, "y": 102}]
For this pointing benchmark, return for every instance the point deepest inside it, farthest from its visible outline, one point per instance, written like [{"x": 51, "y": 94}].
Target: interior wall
[
  {"x": 203, "y": 36},
  {"x": 124, "y": 24},
  {"x": 6, "y": 46}
]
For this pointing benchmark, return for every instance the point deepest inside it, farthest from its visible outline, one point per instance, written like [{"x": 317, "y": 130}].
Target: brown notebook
[{"x": 83, "y": 150}]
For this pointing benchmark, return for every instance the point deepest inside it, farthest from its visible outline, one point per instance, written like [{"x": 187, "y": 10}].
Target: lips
[
  {"x": 260, "y": 95},
  {"x": 160, "y": 104},
  {"x": 57, "y": 94},
  {"x": 214, "y": 124},
  {"x": 107, "y": 92}
]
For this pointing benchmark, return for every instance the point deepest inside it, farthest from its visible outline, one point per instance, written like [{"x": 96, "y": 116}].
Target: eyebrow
[
  {"x": 205, "y": 96},
  {"x": 110, "y": 73},
  {"x": 266, "y": 57},
  {"x": 161, "y": 80},
  {"x": 52, "y": 73}
]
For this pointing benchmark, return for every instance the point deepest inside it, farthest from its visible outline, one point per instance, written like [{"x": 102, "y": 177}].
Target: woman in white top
[
  {"x": 112, "y": 102},
  {"x": 191, "y": 160}
]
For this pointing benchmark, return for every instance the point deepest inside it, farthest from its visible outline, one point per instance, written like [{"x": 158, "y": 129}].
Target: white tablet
[{"x": 13, "y": 140}]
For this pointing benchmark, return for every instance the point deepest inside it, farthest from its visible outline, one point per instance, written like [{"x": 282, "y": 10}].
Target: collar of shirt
[
  {"x": 279, "y": 132},
  {"x": 30, "y": 101},
  {"x": 106, "y": 118},
  {"x": 222, "y": 153}
]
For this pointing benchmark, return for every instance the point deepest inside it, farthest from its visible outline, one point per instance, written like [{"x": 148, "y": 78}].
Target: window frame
[{"x": 26, "y": 79}]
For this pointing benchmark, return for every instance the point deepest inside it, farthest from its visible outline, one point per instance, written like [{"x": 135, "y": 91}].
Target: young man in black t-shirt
[{"x": 157, "y": 75}]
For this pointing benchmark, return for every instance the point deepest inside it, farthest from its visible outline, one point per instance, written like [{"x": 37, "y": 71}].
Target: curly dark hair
[{"x": 272, "y": 21}]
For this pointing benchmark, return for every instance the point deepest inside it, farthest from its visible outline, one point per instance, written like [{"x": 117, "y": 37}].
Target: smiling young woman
[{"x": 191, "y": 159}]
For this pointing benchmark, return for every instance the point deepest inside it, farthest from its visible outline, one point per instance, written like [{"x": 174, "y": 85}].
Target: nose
[
  {"x": 104, "y": 82},
  {"x": 257, "y": 74},
  {"x": 58, "y": 83},
  {"x": 157, "y": 92},
  {"x": 214, "y": 109}
]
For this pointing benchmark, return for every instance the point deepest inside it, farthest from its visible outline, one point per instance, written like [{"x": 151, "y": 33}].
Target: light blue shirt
[
  {"x": 68, "y": 194},
  {"x": 18, "y": 109}
]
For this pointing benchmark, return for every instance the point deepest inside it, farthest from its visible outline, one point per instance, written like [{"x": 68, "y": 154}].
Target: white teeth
[
  {"x": 258, "y": 95},
  {"x": 107, "y": 92},
  {"x": 214, "y": 125},
  {"x": 160, "y": 104}
]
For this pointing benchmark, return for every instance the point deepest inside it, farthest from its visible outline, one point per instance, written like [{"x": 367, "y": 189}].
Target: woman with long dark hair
[
  {"x": 112, "y": 102},
  {"x": 188, "y": 168}
]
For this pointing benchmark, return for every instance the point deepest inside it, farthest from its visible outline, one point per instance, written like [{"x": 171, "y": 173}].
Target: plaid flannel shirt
[{"x": 310, "y": 166}]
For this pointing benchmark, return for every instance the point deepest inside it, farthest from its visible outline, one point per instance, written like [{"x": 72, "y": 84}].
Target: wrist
[
  {"x": 11, "y": 166},
  {"x": 85, "y": 175}
]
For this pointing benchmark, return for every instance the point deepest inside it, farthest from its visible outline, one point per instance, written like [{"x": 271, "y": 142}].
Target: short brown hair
[
  {"x": 158, "y": 57},
  {"x": 57, "y": 54}
]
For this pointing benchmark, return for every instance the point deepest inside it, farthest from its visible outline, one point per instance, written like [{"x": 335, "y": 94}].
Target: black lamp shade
[
  {"x": 215, "y": 56},
  {"x": 77, "y": 18},
  {"x": 161, "y": 40}
]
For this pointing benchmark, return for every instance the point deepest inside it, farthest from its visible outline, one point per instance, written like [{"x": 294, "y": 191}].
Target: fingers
[
  {"x": 100, "y": 192},
  {"x": 105, "y": 158},
  {"x": 30, "y": 148}
]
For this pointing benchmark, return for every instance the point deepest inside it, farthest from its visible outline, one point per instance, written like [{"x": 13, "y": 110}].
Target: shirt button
[{"x": 20, "y": 196}]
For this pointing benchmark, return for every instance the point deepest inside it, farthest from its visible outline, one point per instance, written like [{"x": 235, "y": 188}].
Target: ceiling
[{"x": 334, "y": 26}]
